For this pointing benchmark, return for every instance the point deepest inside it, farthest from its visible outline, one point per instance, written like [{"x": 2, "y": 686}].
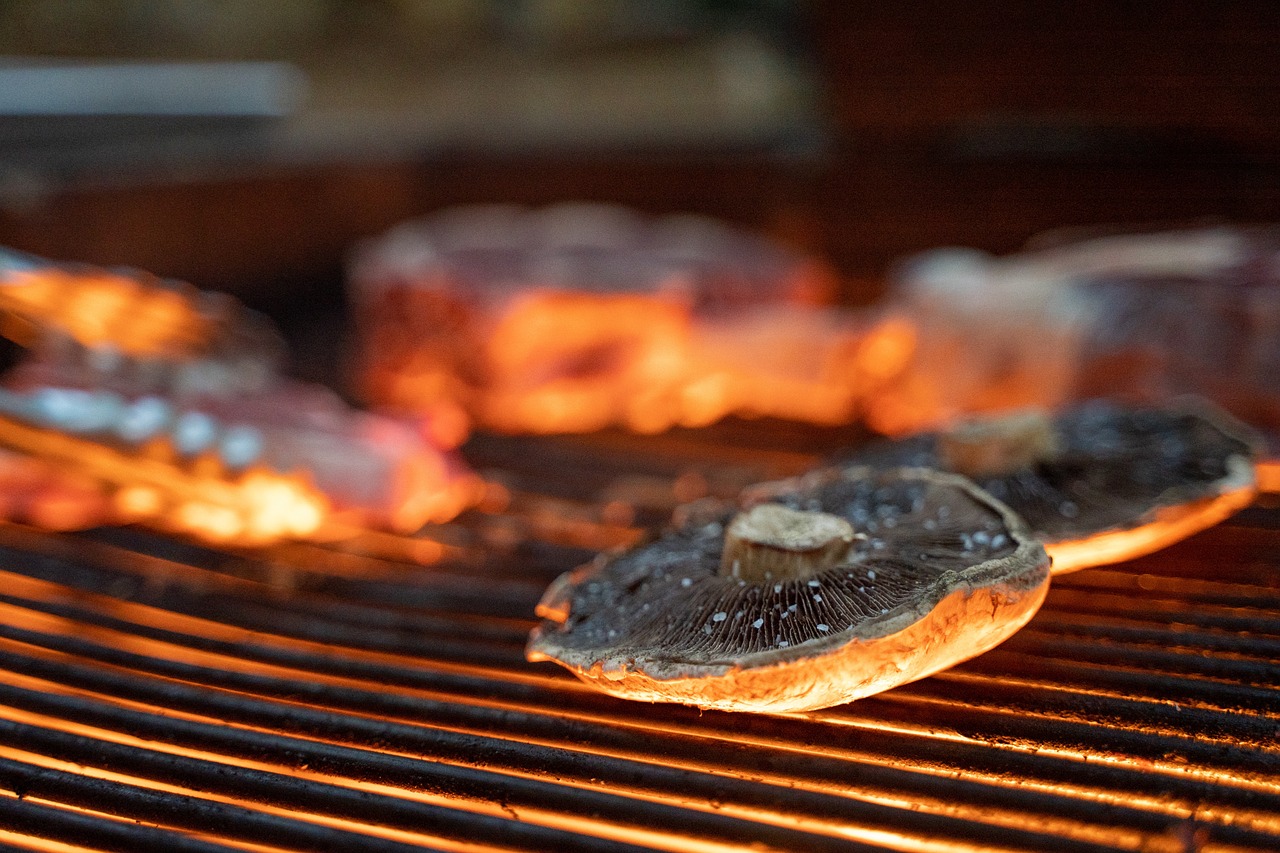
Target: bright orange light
[
  {"x": 138, "y": 502},
  {"x": 255, "y": 507},
  {"x": 302, "y": 459},
  {"x": 66, "y": 482},
  {"x": 1268, "y": 473},
  {"x": 44, "y": 845},
  {"x": 570, "y": 362},
  {"x": 96, "y": 308},
  {"x": 556, "y": 361},
  {"x": 1166, "y": 526}
]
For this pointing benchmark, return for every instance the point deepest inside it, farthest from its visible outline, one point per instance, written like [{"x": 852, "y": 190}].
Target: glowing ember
[
  {"x": 166, "y": 411},
  {"x": 574, "y": 318},
  {"x": 98, "y": 308}
]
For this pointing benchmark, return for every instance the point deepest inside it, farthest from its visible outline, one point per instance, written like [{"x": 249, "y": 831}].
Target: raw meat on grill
[
  {"x": 576, "y": 317},
  {"x": 162, "y": 403}
]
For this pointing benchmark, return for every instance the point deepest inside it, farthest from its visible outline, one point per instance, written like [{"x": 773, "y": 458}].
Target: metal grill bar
[
  {"x": 297, "y": 795},
  {"x": 95, "y": 832},
  {"x": 646, "y": 781},
  {"x": 160, "y": 695}
]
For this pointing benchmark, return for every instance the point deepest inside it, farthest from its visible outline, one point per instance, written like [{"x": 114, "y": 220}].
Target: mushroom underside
[{"x": 938, "y": 573}]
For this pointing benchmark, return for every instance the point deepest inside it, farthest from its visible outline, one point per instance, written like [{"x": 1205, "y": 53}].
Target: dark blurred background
[{"x": 245, "y": 145}]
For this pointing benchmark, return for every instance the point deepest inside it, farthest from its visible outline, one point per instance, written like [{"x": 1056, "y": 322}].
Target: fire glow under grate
[{"x": 373, "y": 694}]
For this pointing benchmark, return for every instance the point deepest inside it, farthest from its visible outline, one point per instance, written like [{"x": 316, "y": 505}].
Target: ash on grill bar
[{"x": 607, "y": 426}]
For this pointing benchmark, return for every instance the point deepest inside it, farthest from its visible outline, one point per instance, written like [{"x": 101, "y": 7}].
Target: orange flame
[{"x": 99, "y": 308}]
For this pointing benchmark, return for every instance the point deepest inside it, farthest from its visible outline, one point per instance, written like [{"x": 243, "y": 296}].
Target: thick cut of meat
[
  {"x": 1146, "y": 316},
  {"x": 576, "y": 317},
  {"x": 186, "y": 423}
]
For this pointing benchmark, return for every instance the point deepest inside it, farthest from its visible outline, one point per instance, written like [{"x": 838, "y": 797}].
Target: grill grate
[{"x": 372, "y": 695}]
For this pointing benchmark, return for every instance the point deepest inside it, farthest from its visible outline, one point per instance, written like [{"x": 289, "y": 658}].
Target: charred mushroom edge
[
  {"x": 1179, "y": 512},
  {"x": 954, "y": 618}
]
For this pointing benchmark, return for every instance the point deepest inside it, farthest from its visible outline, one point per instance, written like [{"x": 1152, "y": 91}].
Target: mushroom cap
[
  {"x": 942, "y": 572},
  {"x": 1123, "y": 481}
]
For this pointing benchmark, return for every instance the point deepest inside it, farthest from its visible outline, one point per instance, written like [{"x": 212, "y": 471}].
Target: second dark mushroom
[{"x": 1100, "y": 483}]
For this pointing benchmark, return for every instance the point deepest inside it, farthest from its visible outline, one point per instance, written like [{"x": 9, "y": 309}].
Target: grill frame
[{"x": 342, "y": 696}]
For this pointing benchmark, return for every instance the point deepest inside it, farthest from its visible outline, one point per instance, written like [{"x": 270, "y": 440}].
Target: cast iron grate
[{"x": 372, "y": 695}]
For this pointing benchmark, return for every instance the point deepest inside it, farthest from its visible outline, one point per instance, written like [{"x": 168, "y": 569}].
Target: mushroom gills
[
  {"x": 1115, "y": 482},
  {"x": 814, "y": 592}
]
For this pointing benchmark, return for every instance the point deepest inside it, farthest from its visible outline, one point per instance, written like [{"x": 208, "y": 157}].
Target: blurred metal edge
[{"x": 35, "y": 87}]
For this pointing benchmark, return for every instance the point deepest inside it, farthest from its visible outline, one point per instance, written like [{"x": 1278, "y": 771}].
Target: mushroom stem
[
  {"x": 994, "y": 447},
  {"x": 773, "y": 542}
]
